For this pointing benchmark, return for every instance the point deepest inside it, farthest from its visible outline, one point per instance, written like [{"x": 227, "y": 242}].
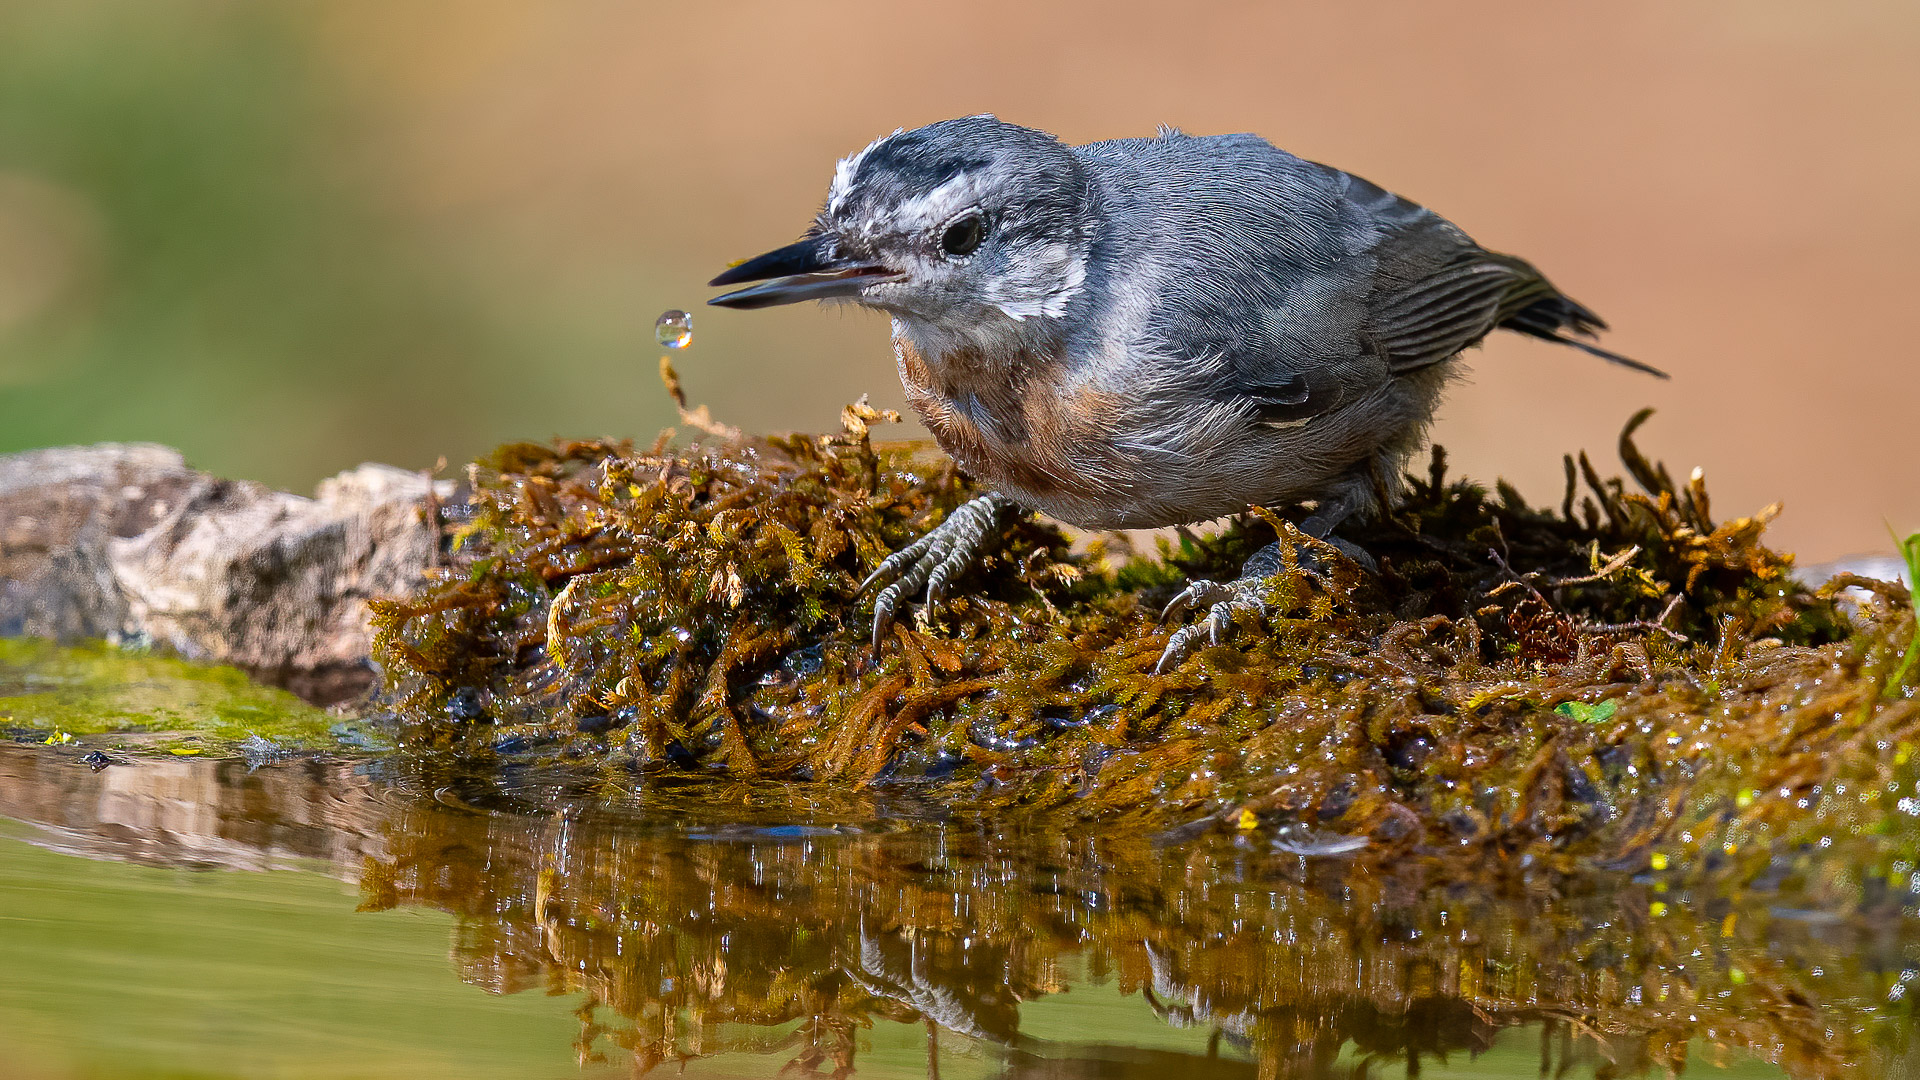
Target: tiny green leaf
[
  {"x": 1910, "y": 553},
  {"x": 1585, "y": 713}
]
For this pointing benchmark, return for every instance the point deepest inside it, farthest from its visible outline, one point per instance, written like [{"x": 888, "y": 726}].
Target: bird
[{"x": 1148, "y": 332}]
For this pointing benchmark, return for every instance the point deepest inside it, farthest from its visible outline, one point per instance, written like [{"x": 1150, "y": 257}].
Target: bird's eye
[{"x": 963, "y": 234}]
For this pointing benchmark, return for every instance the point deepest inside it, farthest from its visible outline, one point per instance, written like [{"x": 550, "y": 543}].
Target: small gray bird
[{"x": 1151, "y": 332}]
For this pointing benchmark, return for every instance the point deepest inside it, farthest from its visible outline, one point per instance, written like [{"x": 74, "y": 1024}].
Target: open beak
[{"x": 802, "y": 271}]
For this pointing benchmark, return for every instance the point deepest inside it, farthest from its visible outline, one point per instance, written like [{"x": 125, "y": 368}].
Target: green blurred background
[{"x": 291, "y": 237}]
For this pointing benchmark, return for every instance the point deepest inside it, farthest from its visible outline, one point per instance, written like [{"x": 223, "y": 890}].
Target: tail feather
[{"x": 1551, "y": 318}]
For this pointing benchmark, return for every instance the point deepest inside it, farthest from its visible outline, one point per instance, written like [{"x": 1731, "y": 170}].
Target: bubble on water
[{"x": 674, "y": 329}]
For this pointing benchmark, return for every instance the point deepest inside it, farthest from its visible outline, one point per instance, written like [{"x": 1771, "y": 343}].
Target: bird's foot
[
  {"x": 1245, "y": 597},
  {"x": 1223, "y": 602},
  {"x": 935, "y": 559}
]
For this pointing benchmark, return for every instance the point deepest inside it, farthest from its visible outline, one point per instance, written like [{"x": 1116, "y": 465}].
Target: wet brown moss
[{"x": 1621, "y": 678}]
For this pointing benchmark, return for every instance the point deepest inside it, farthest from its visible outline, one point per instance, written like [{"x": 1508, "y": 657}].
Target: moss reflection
[
  {"x": 691, "y": 922},
  {"x": 691, "y": 939}
]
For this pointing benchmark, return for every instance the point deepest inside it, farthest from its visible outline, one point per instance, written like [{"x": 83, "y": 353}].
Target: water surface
[{"x": 339, "y": 918}]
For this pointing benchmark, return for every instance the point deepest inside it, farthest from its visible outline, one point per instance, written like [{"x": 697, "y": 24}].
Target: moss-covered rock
[
  {"x": 121, "y": 698},
  {"x": 1622, "y": 678}
]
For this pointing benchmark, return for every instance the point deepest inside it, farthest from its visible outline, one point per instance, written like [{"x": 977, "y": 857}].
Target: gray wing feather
[
  {"x": 1299, "y": 287},
  {"x": 1435, "y": 318},
  {"x": 1437, "y": 292}
]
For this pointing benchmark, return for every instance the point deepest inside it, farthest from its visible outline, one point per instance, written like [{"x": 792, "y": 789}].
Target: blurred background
[{"x": 292, "y": 237}]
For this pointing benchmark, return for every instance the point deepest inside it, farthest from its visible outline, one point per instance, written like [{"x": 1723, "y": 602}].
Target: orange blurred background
[{"x": 292, "y": 237}]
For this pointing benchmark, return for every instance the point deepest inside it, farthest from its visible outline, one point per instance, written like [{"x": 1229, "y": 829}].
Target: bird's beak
[{"x": 803, "y": 271}]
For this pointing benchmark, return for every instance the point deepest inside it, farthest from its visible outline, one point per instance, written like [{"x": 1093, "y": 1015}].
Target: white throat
[{"x": 993, "y": 342}]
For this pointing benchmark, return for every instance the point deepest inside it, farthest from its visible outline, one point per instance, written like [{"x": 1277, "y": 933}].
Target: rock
[
  {"x": 1883, "y": 567},
  {"x": 58, "y": 511},
  {"x": 126, "y": 542}
]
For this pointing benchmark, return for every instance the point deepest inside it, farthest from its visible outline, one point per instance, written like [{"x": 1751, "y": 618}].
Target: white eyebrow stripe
[
  {"x": 936, "y": 206},
  {"x": 847, "y": 167}
]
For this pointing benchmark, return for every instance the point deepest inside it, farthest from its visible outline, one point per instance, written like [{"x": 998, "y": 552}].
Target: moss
[
  {"x": 129, "y": 698},
  {"x": 1618, "y": 676}
]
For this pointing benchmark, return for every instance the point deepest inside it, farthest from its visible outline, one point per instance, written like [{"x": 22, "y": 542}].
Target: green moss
[
  {"x": 696, "y": 610},
  {"x": 1898, "y": 681},
  {"x": 98, "y": 690}
]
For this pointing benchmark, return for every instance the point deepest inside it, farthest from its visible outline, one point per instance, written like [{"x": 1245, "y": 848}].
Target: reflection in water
[
  {"x": 196, "y": 813},
  {"x": 702, "y": 921}
]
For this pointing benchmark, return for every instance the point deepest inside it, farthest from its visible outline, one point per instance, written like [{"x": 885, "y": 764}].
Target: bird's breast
[
  {"x": 1145, "y": 455},
  {"x": 1020, "y": 424}
]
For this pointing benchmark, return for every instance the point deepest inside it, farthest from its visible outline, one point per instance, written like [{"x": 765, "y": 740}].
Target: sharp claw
[
  {"x": 1169, "y": 656},
  {"x": 1196, "y": 594},
  {"x": 1176, "y": 605},
  {"x": 1245, "y": 595},
  {"x": 892, "y": 565},
  {"x": 1184, "y": 601},
  {"x": 882, "y": 617},
  {"x": 1179, "y": 645},
  {"x": 888, "y": 569},
  {"x": 937, "y": 583}
]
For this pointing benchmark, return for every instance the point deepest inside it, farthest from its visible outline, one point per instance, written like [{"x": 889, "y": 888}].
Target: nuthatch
[{"x": 1151, "y": 332}]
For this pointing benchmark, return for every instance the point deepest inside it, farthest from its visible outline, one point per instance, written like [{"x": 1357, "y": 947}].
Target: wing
[
  {"x": 1296, "y": 288},
  {"x": 1420, "y": 293},
  {"x": 1258, "y": 270},
  {"x": 1436, "y": 292}
]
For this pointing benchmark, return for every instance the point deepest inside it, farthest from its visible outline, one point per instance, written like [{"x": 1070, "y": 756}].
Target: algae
[
  {"x": 99, "y": 693},
  {"x": 1619, "y": 678}
]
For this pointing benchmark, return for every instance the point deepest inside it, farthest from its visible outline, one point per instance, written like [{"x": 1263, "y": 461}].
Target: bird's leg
[
  {"x": 936, "y": 558},
  {"x": 1320, "y": 525},
  {"x": 1246, "y": 594}
]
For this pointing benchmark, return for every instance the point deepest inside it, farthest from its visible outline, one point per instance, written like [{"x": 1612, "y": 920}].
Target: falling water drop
[{"x": 674, "y": 329}]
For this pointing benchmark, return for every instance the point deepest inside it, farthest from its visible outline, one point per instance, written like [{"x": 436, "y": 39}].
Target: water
[
  {"x": 332, "y": 918},
  {"x": 673, "y": 329}
]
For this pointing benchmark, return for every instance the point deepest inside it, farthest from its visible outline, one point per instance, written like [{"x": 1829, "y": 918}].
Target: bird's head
[{"x": 946, "y": 226}]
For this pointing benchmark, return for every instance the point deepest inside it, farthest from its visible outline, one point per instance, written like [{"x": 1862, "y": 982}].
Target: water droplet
[{"x": 673, "y": 329}]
